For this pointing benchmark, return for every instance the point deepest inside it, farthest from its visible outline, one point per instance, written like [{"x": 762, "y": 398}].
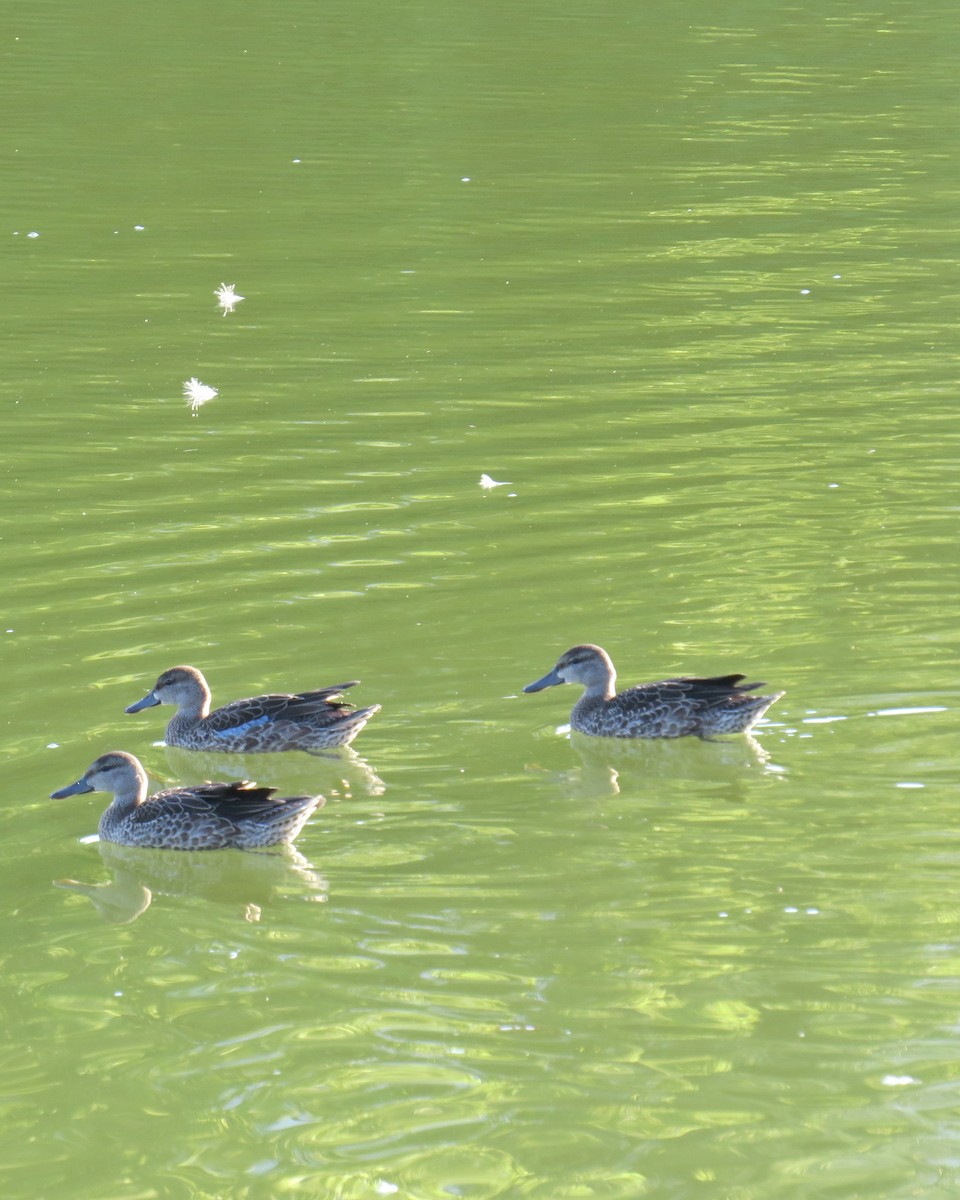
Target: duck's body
[
  {"x": 308, "y": 721},
  {"x": 209, "y": 816},
  {"x": 667, "y": 709}
]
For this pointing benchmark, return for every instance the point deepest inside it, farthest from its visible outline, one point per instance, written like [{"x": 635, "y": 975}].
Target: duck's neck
[
  {"x": 602, "y": 687},
  {"x": 182, "y": 720},
  {"x": 124, "y": 803},
  {"x": 194, "y": 707}
]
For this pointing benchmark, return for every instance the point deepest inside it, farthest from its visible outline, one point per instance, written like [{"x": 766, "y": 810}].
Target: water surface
[{"x": 684, "y": 281}]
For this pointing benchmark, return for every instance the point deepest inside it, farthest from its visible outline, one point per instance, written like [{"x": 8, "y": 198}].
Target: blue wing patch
[{"x": 247, "y": 725}]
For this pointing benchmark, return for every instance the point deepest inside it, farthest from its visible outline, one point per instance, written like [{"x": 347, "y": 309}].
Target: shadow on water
[{"x": 245, "y": 880}]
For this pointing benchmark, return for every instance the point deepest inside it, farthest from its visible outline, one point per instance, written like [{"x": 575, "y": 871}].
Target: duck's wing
[
  {"x": 236, "y": 801},
  {"x": 305, "y": 705},
  {"x": 261, "y": 710},
  {"x": 686, "y": 694},
  {"x": 711, "y": 683}
]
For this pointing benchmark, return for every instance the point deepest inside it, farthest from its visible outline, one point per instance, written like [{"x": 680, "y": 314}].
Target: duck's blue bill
[
  {"x": 73, "y": 789},
  {"x": 549, "y": 680},
  {"x": 149, "y": 700}
]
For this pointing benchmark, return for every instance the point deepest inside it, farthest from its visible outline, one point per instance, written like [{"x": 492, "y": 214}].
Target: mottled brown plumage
[
  {"x": 207, "y": 816},
  {"x": 308, "y": 721},
  {"x": 667, "y": 709}
]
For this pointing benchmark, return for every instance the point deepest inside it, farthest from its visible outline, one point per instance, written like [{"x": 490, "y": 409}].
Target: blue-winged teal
[
  {"x": 668, "y": 709},
  {"x": 308, "y": 721},
  {"x": 209, "y": 816}
]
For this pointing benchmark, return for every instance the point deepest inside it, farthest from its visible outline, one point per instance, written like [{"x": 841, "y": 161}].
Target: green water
[{"x": 685, "y": 279}]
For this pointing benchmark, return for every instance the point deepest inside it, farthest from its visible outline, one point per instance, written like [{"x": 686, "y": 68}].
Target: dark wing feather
[
  {"x": 718, "y": 691},
  {"x": 725, "y": 683},
  {"x": 235, "y": 801},
  {"x": 688, "y": 692},
  {"x": 278, "y": 707},
  {"x": 306, "y": 704}
]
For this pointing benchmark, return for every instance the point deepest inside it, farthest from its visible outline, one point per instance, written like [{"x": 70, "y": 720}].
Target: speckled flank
[
  {"x": 210, "y": 816},
  {"x": 319, "y": 720},
  {"x": 667, "y": 709}
]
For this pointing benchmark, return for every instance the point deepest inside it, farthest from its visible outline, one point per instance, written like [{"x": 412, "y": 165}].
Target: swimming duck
[
  {"x": 668, "y": 709},
  {"x": 306, "y": 721},
  {"x": 208, "y": 816}
]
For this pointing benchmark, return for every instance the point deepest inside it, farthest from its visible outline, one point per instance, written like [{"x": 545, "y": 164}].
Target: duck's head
[
  {"x": 116, "y": 772},
  {"x": 183, "y": 686},
  {"x": 587, "y": 665}
]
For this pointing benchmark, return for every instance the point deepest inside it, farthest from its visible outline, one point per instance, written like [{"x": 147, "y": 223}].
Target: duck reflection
[
  {"x": 609, "y": 766},
  {"x": 244, "y": 879},
  {"x": 309, "y": 774}
]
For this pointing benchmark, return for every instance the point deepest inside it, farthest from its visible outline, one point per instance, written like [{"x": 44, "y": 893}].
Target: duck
[
  {"x": 668, "y": 709},
  {"x": 308, "y": 721},
  {"x": 205, "y": 816}
]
